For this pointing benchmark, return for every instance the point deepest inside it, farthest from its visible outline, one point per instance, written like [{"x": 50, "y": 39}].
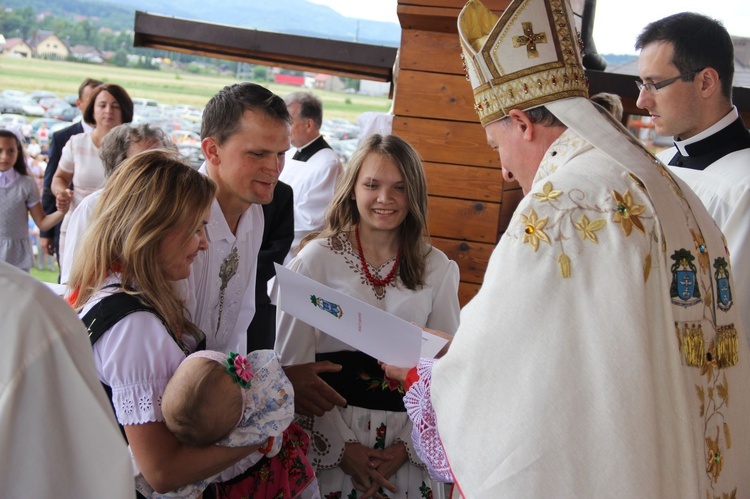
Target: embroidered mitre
[{"x": 528, "y": 57}]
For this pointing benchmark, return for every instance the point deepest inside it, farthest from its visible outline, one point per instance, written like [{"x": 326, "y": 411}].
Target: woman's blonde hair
[
  {"x": 150, "y": 194},
  {"x": 342, "y": 215}
]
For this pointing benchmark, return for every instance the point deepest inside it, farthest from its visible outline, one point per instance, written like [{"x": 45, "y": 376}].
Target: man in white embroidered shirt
[{"x": 245, "y": 135}]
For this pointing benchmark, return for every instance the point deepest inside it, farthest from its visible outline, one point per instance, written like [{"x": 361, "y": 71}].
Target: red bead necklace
[{"x": 375, "y": 282}]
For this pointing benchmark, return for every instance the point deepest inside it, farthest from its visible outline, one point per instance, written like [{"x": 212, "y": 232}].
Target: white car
[
  {"x": 12, "y": 120},
  {"x": 31, "y": 108},
  {"x": 13, "y": 94}
]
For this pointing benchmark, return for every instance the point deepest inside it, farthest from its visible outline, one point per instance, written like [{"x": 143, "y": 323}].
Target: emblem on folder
[{"x": 325, "y": 305}]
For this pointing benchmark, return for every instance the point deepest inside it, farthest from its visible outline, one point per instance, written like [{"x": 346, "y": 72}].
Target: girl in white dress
[
  {"x": 19, "y": 197},
  {"x": 373, "y": 248}
]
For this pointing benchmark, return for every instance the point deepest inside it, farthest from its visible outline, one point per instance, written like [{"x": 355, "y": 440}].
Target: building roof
[
  {"x": 85, "y": 50},
  {"x": 12, "y": 42},
  {"x": 39, "y": 36}
]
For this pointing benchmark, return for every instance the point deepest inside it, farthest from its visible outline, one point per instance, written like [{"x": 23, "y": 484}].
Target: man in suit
[{"x": 50, "y": 239}]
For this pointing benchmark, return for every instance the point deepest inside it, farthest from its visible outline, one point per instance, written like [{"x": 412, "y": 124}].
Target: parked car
[
  {"x": 12, "y": 120},
  {"x": 13, "y": 94},
  {"x": 51, "y": 123},
  {"x": 339, "y": 129},
  {"x": 38, "y": 95},
  {"x": 69, "y": 113},
  {"x": 31, "y": 108},
  {"x": 344, "y": 148},
  {"x": 192, "y": 153},
  {"x": 11, "y": 106},
  {"x": 187, "y": 137},
  {"x": 140, "y": 102},
  {"x": 49, "y": 102}
]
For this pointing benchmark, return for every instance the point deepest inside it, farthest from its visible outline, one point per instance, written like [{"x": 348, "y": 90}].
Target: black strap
[
  {"x": 108, "y": 312},
  {"x": 111, "y": 310}
]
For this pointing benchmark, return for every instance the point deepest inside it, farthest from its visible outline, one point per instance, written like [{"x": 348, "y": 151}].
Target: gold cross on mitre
[{"x": 530, "y": 39}]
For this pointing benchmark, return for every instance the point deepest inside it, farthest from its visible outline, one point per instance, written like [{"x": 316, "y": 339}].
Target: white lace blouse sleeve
[
  {"x": 425, "y": 435},
  {"x": 136, "y": 358}
]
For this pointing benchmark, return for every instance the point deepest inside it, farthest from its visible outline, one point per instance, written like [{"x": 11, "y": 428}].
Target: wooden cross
[{"x": 529, "y": 39}]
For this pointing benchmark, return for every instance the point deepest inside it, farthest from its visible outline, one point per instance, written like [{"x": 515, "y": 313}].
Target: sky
[{"x": 617, "y": 24}]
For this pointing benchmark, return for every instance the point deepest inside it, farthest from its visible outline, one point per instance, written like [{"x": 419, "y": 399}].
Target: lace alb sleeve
[{"x": 424, "y": 434}]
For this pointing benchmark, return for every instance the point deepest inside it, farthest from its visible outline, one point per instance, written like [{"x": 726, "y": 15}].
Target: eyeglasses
[{"x": 653, "y": 87}]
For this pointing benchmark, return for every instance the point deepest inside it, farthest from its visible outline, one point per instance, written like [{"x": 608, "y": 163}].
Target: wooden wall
[{"x": 469, "y": 204}]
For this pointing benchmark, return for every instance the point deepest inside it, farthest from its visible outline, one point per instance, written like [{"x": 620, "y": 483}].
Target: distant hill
[{"x": 297, "y": 17}]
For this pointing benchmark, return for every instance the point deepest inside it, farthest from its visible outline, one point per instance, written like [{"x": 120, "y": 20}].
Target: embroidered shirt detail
[{"x": 341, "y": 245}]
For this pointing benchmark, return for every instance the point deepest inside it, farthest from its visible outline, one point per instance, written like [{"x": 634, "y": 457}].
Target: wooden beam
[
  {"x": 438, "y": 15},
  {"x": 353, "y": 60}
]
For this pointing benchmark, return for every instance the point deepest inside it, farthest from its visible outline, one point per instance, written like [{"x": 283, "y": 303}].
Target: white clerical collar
[
  {"x": 313, "y": 140},
  {"x": 8, "y": 177},
  {"x": 719, "y": 125}
]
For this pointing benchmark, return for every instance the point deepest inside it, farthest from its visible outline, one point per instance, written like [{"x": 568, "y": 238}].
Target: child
[
  {"x": 20, "y": 196},
  {"x": 219, "y": 399}
]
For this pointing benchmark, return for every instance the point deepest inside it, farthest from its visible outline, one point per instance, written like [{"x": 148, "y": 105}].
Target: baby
[{"x": 226, "y": 399}]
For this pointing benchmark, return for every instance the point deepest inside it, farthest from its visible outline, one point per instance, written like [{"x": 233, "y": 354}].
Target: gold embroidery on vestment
[
  {"x": 588, "y": 228},
  {"x": 727, "y": 350},
  {"x": 547, "y": 194},
  {"x": 564, "y": 262},
  {"x": 700, "y": 249},
  {"x": 534, "y": 232},
  {"x": 693, "y": 345},
  {"x": 627, "y": 212}
]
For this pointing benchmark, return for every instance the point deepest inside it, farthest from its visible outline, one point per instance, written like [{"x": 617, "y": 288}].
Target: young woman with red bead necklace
[{"x": 374, "y": 248}]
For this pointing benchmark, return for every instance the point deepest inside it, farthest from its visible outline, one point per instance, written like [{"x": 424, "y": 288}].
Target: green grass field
[
  {"x": 168, "y": 87},
  {"x": 62, "y": 78},
  {"x": 45, "y": 275}
]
